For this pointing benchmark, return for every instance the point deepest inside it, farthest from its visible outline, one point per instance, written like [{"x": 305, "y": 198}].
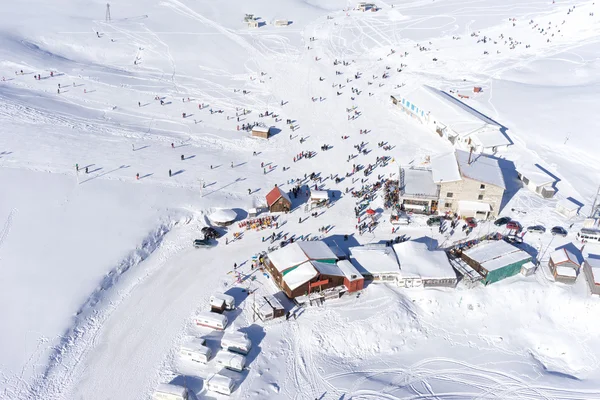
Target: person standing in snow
[
  {"x": 86, "y": 170},
  {"x": 169, "y": 173},
  {"x": 77, "y": 167}
]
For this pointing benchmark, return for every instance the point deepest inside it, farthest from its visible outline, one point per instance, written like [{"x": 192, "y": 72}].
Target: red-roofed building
[{"x": 278, "y": 200}]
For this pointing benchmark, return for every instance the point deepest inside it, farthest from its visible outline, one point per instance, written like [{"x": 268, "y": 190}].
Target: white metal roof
[
  {"x": 374, "y": 260},
  {"x": 443, "y": 109},
  {"x": 444, "y": 168},
  {"x": 493, "y": 255},
  {"x": 483, "y": 168},
  {"x": 566, "y": 271},
  {"x": 319, "y": 194},
  {"x": 316, "y": 250},
  {"x": 562, "y": 256},
  {"x": 223, "y": 215},
  {"x": 535, "y": 175},
  {"x": 300, "y": 275},
  {"x": 287, "y": 257},
  {"x": 350, "y": 272},
  {"x": 327, "y": 268},
  {"x": 196, "y": 345},
  {"x": 567, "y": 205},
  {"x": 528, "y": 265},
  {"x": 416, "y": 260},
  {"x": 171, "y": 389},
  {"x": 299, "y": 252},
  {"x": 466, "y": 205},
  {"x": 220, "y": 380},
  {"x": 490, "y": 136},
  {"x": 594, "y": 264},
  {"x": 419, "y": 181}
]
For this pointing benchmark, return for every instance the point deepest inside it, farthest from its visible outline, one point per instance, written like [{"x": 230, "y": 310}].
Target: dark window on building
[
  {"x": 480, "y": 197},
  {"x": 482, "y": 186},
  {"x": 448, "y": 205},
  {"x": 449, "y": 194}
]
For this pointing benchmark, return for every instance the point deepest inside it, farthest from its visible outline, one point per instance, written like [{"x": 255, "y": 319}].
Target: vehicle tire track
[{"x": 7, "y": 226}]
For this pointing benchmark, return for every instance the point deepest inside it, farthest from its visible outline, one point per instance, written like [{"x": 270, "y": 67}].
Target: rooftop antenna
[{"x": 107, "y": 12}]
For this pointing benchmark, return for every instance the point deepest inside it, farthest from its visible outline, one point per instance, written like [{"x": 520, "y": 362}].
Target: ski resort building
[
  {"x": 564, "y": 266},
  {"x": 353, "y": 280},
  {"x": 591, "y": 270},
  {"x": 451, "y": 119},
  {"x": 278, "y": 200},
  {"x": 495, "y": 260},
  {"x": 567, "y": 208},
  {"x": 376, "y": 262},
  {"x": 268, "y": 307},
  {"x": 470, "y": 185},
  {"x": 421, "y": 267},
  {"x": 303, "y": 267},
  {"x": 537, "y": 180},
  {"x": 417, "y": 191}
]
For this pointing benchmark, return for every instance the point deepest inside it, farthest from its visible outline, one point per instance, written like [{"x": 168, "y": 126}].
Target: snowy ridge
[{"x": 90, "y": 317}]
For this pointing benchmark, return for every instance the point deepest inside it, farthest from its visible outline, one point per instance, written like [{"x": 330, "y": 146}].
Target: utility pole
[
  {"x": 107, "y": 12},
  {"x": 596, "y": 206}
]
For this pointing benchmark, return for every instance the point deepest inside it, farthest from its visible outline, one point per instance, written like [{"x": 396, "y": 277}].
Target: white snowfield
[{"x": 99, "y": 282}]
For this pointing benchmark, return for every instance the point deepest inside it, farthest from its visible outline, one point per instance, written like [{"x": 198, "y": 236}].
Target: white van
[
  {"x": 237, "y": 342},
  {"x": 211, "y": 320},
  {"x": 167, "y": 391},
  {"x": 232, "y": 361},
  {"x": 220, "y": 384},
  {"x": 221, "y": 301},
  {"x": 195, "y": 351}
]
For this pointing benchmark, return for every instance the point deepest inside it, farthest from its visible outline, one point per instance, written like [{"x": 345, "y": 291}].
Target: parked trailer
[
  {"x": 211, "y": 320},
  {"x": 220, "y": 302},
  {"x": 236, "y": 342},
  {"x": 220, "y": 384},
  {"x": 195, "y": 351},
  {"x": 281, "y": 22},
  {"x": 168, "y": 391},
  {"x": 232, "y": 361}
]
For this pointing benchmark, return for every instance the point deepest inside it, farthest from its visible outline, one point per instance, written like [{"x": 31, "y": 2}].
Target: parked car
[
  {"x": 559, "y": 230},
  {"x": 513, "y": 239},
  {"x": 514, "y": 226},
  {"x": 434, "y": 221},
  {"x": 536, "y": 229},
  {"x": 471, "y": 222},
  {"x": 210, "y": 233},
  {"x": 200, "y": 243},
  {"x": 502, "y": 221}
]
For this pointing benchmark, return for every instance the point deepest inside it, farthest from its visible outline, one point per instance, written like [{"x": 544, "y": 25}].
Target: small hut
[
  {"x": 261, "y": 131},
  {"x": 278, "y": 200},
  {"x": 223, "y": 217},
  {"x": 564, "y": 266}
]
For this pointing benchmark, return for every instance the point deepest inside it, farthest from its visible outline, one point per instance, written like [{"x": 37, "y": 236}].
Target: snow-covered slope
[{"x": 98, "y": 280}]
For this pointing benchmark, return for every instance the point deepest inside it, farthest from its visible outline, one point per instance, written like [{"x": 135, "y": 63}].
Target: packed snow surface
[{"x": 123, "y": 128}]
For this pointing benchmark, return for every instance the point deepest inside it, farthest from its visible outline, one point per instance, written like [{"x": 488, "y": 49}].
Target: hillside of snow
[{"x": 99, "y": 281}]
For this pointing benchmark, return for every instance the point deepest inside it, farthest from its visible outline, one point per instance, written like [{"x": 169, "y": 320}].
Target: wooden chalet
[{"x": 278, "y": 200}]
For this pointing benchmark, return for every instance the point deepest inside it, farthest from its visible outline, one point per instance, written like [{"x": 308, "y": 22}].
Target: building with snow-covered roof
[
  {"x": 488, "y": 139},
  {"x": 353, "y": 280},
  {"x": 278, "y": 200},
  {"x": 261, "y": 131},
  {"x": 451, "y": 119},
  {"x": 567, "y": 208},
  {"x": 536, "y": 180},
  {"x": 418, "y": 192},
  {"x": 268, "y": 307},
  {"x": 421, "y": 267},
  {"x": 495, "y": 260},
  {"x": 302, "y": 267},
  {"x": 564, "y": 266},
  {"x": 376, "y": 262},
  {"x": 479, "y": 188},
  {"x": 591, "y": 269}
]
